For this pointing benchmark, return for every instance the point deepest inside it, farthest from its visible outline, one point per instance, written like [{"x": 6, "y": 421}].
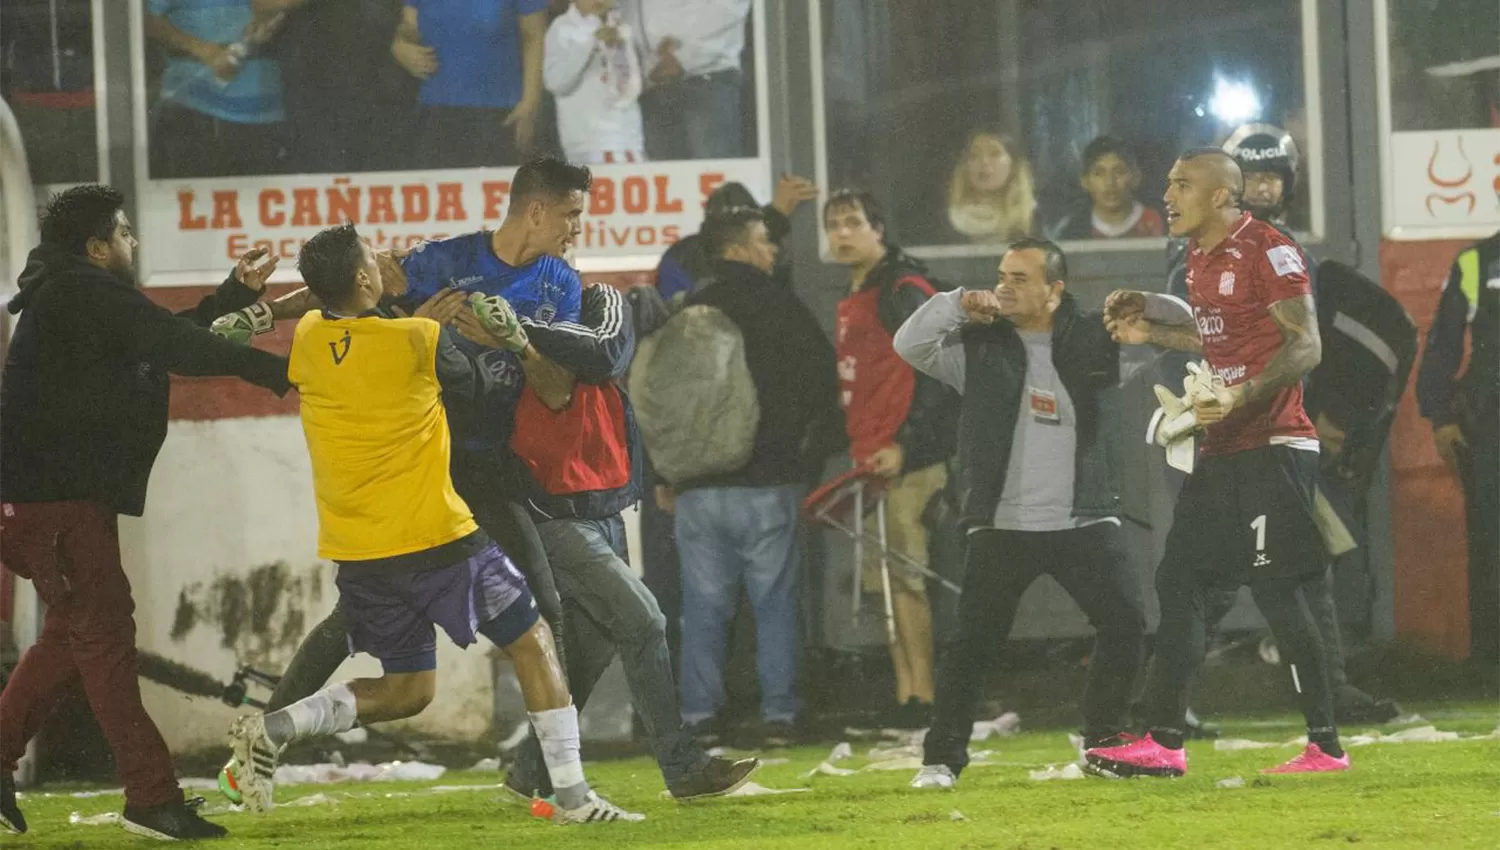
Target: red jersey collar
[{"x": 1233, "y": 237}]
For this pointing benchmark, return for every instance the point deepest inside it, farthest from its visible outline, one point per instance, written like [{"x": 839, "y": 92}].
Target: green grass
[{"x": 1443, "y": 795}]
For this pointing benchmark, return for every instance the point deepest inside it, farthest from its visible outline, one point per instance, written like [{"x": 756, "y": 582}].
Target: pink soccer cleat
[
  {"x": 1144, "y": 757},
  {"x": 1312, "y": 760}
]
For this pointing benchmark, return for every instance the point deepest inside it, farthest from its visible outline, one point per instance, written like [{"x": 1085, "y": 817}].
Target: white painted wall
[{"x": 227, "y": 497}]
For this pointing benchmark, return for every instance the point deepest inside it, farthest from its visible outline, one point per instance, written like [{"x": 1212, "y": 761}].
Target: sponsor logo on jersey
[
  {"x": 1226, "y": 283},
  {"x": 1286, "y": 260}
]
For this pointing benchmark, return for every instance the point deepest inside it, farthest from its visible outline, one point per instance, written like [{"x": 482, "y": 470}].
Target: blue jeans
[
  {"x": 696, "y": 118},
  {"x": 728, "y": 536}
]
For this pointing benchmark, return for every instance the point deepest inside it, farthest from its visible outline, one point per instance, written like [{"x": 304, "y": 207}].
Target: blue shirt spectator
[
  {"x": 478, "y": 49},
  {"x": 251, "y": 96}
]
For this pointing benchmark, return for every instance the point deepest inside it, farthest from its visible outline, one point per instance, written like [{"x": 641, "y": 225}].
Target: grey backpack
[{"x": 695, "y": 402}]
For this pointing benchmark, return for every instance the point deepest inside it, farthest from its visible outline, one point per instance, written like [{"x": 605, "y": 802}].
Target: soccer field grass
[{"x": 1427, "y": 795}]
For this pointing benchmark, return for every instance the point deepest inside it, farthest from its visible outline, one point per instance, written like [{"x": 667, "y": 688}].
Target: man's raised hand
[
  {"x": 254, "y": 273},
  {"x": 982, "y": 305}
]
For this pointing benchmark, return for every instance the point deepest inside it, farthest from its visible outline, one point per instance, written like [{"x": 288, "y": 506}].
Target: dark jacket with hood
[{"x": 83, "y": 401}]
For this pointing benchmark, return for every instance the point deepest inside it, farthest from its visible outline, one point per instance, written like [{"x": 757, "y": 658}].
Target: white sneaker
[
  {"x": 256, "y": 756},
  {"x": 596, "y": 810},
  {"x": 934, "y": 776}
]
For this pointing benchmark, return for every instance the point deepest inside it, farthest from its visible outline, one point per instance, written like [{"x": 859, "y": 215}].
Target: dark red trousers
[{"x": 71, "y": 553}]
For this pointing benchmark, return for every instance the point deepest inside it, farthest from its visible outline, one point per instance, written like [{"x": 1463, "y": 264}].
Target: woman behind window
[{"x": 991, "y": 197}]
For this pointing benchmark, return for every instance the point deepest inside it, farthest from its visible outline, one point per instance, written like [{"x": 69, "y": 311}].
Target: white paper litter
[
  {"x": 888, "y": 753},
  {"x": 774, "y": 762},
  {"x": 1420, "y": 734},
  {"x": 326, "y": 774},
  {"x": 902, "y": 763},
  {"x": 1069, "y": 771},
  {"x": 827, "y": 769},
  {"x": 105, "y": 819},
  {"x": 751, "y": 789},
  {"x": 199, "y": 784},
  {"x": 1409, "y": 720},
  {"x": 448, "y": 789},
  {"x": 486, "y": 765},
  {"x": 1231, "y": 782},
  {"x": 1234, "y": 744},
  {"x": 956, "y": 815},
  {"x": 840, "y": 752},
  {"x": 357, "y": 735},
  {"x": 319, "y": 799},
  {"x": 1004, "y": 726},
  {"x": 84, "y": 795}
]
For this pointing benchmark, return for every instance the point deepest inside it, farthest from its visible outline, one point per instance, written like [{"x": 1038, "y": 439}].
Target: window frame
[{"x": 1313, "y": 159}]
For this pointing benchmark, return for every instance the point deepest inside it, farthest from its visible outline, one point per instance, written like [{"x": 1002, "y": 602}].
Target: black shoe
[
  {"x": 11, "y": 818},
  {"x": 170, "y": 822},
  {"x": 1355, "y": 706},
  {"x": 914, "y": 714},
  {"x": 1198, "y": 730},
  {"x": 778, "y": 734},
  {"x": 525, "y": 788},
  {"x": 707, "y": 733},
  {"x": 717, "y": 778}
]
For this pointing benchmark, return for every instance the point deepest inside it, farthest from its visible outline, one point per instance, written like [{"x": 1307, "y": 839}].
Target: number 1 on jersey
[{"x": 1259, "y": 524}]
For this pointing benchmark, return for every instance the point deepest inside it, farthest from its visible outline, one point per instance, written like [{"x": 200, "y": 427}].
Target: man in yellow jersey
[{"x": 410, "y": 557}]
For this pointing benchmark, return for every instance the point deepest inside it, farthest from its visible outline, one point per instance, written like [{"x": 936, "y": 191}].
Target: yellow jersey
[{"x": 377, "y": 431}]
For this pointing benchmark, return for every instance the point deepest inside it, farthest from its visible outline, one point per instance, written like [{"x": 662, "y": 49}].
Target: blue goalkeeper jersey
[{"x": 545, "y": 291}]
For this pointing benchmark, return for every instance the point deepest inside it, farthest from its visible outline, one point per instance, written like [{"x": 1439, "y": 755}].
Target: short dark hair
[
  {"x": 76, "y": 215},
  {"x": 864, "y": 199},
  {"x": 329, "y": 262},
  {"x": 730, "y": 227},
  {"x": 549, "y": 176},
  {"x": 1237, "y": 186},
  {"x": 1104, "y": 146},
  {"x": 728, "y": 196},
  {"x": 1053, "y": 261}
]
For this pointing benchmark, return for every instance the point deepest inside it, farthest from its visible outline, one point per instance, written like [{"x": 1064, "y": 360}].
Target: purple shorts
[{"x": 392, "y": 614}]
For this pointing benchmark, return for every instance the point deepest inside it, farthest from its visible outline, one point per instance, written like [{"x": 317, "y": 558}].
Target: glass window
[
  {"x": 47, "y": 78},
  {"x": 1444, "y": 77},
  {"x": 237, "y": 87},
  {"x": 979, "y": 123}
]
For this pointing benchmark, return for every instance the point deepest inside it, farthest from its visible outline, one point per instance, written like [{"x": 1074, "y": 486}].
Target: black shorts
[{"x": 1249, "y": 516}]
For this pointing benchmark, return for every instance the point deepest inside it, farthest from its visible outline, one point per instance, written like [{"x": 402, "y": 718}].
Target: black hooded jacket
[{"x": 83, "y": 400}]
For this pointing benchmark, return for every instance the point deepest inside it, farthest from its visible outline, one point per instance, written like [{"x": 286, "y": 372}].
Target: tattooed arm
[
  {"x": 1301, "y": 349},
  {"x": 1177, "y": 337}
]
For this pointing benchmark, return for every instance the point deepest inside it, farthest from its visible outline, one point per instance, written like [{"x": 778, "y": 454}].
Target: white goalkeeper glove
[
  {"x": 500, "y": 320},
  {"x": 241, "y": 325},
  {"x": 1174, "y": 425}
]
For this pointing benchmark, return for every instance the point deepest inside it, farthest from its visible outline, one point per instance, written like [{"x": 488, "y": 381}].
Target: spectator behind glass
[
  {"x": 991, "y": 196},
  {"x": 219, "y": 111},
  {"x": 592, "y": 69},
  {"x": 480, "y": 62},
  {"x": 348, "y": 107},
  {"x": 691, "y": 52},
  {"x": 49, "y": 84},
  {"x": 1111, "y": 175}
]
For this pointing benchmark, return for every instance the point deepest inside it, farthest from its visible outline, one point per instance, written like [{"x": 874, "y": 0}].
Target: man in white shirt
[
  {"x": 593, "y": 70},
  {"x": 690, "y": 51}
]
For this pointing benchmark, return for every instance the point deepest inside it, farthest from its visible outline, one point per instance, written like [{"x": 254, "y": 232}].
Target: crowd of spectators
[{"x": 291, "y": 86}]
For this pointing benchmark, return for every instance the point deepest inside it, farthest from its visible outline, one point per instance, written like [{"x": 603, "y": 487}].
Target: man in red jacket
[{"x": 900, "y": 423}]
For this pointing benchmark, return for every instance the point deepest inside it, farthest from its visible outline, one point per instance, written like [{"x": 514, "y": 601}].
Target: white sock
[
  {"x": 324, "y": 713},
  {"x": 557, "y": 730}
]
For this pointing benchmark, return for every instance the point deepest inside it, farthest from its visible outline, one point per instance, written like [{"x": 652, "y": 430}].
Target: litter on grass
[
  {"x": 1068, "y": 771},
  {"x": 327, "y": 774}
]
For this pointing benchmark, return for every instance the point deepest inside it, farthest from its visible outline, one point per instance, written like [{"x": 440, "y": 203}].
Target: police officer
[{"x": 1465, "y": 415}]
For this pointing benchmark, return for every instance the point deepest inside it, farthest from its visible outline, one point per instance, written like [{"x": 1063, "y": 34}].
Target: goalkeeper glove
[
  {"x": 500, "y": 320},
  {"x": 241, "y": 325}
]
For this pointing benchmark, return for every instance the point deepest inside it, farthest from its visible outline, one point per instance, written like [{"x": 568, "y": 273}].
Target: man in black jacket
[
  {"x": 83, "y": 413},
  {"x": 741, "y": 528},
  {"x": 1037, "y": 481},
  {"x": 688, "y": 265}
]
